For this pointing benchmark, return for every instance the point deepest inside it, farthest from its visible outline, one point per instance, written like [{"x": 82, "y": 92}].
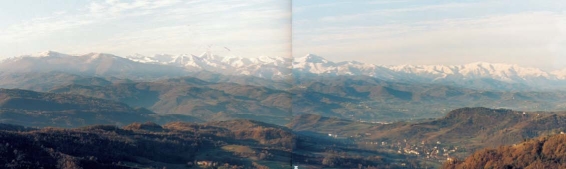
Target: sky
[
  {"x": 384, "y": 32},
  {"x": 248, "y": 28},
  {"x": 392, "y": 32}
]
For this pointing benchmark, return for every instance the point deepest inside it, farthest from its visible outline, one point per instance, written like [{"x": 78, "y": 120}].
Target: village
[
  {"x": 433, "y": 150},
  {"x": 429, "y": 150}
]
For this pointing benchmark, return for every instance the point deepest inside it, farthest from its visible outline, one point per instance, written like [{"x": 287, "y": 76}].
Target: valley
[{"x": 313, "y": 121}]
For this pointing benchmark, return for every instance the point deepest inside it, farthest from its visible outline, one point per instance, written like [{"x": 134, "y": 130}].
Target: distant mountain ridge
[
  {"x": 263, "y": 66},
  {"x": 91, "y": 64},
  {"x": 497, "y": 76}
]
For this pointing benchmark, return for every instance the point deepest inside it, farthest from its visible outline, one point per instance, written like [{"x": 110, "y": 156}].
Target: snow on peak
[
  {"x": 311, "y": 58},
  {"x": 267, "y": 59},
  {"x": 49, "y": 53},
  {"x": 273, "y": 67},
  {"x": 203, "y": 55},
  {"x": 136, "y": 56},
  {"x": 231, "y": 57},
  {"x": 502, "y": 70},
  {"x": 498, "y": 71}
]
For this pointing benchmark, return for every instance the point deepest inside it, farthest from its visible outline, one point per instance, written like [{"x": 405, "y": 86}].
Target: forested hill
[
  {"x": 37, "y": 109},
  {"x": 543, "y": 152},
  {"x": 470, "y": 129},
  {"x": 234, "y": 144}
]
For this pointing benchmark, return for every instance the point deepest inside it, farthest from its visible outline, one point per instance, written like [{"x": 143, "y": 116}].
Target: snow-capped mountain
[
  {"x": 316, "y": 65},
  {"x": 503, "y": 72},
  {"x": 475, "y": 75},
  {"x": 263, "y": 66},
  {"x": 95, "y": 64}
]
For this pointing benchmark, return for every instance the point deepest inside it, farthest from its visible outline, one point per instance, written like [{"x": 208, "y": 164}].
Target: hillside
[
  {"x": 44, "y": 81},
  {"x": 348, "y": 97},
  {"x": 473, "y": 128},
  {"x": 228, "y": 144},
  {"x": 477, "y": 127},
  {"x": 321, "y": 124},
  {"x": 542, "y": 152},
  {"x": 371, "y": 99},
  {"x": 192, "y": 96},
  {"x": 38, "y": 109},
  {"x": 458, "y": 134}
]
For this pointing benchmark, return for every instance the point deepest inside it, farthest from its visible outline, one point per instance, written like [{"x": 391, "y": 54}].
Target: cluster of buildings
[{"x": 435, "y": 150}]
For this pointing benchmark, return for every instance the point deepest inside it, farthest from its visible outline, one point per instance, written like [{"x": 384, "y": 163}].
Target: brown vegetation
[
  {"x": 227, "y": 144},
  {"x": 544, "y": 152}
]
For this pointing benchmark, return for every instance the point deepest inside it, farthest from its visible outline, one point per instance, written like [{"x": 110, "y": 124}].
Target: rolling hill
[
  {"x": 195, "y": 97},
  {"x": 371, "y": 99},
  {"x": 542, "y": 152},
  {"x": 227, "y": 144},
  {"x": 349, "y": 97},
  {"x": 462, "y": 130},
  {"x": 37, "y": 109}
]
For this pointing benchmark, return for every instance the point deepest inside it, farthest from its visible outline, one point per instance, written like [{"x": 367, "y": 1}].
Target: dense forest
[
  {"x": 543, "y": 152},
  {"x": 226, "y": 144}
]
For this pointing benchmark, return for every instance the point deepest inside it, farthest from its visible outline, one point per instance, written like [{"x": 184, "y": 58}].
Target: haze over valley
[{"x": 208, "y": 85}]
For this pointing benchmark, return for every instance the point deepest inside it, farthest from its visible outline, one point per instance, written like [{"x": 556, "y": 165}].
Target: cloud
[
  {"x": 170, "y": 26},
  {"x": 389, "y": 12},
  {"x": 531, "y": 38},
  {"x": 95, "y": 7},
  {"x": 300, "y": 8},
  {"x": 387, "y": 1}
]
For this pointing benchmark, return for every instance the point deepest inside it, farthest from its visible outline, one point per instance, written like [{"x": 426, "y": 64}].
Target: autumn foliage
[{"x": 543, "y": 152}]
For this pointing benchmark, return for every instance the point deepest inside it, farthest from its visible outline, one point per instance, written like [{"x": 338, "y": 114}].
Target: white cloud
[
  {"x": 298, "y": 9},
  {"x": 95, "y": 7},
  {"x": 529, "y": 38},
  {"x": 387, "y": 1},
  {"x": 389, "y": 12},
  {"x": 170, "y": 26}
]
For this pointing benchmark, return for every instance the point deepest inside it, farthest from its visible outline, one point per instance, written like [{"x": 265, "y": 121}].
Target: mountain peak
[
  {"x": 311, "y": 58},
  {"x": 49, "y": 53},
  {"x": 137, "y": 55},
  {"x": 97, "y": 55},
  {"x": 488, "y": 64},
  {"x": 204, "y": 54},
  {"x": 311, "y": 64}
]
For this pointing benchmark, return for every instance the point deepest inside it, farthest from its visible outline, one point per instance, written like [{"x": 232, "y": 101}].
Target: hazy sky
[
  {"x": 246, "y": 27},
  {"x": 529, "y": 33}
]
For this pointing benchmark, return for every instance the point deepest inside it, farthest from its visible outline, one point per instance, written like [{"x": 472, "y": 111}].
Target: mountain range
[
  {"x": 479, "y": 75},
  {"x": 338, "y": 114},
  {"x": 216, "y": 89}
]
